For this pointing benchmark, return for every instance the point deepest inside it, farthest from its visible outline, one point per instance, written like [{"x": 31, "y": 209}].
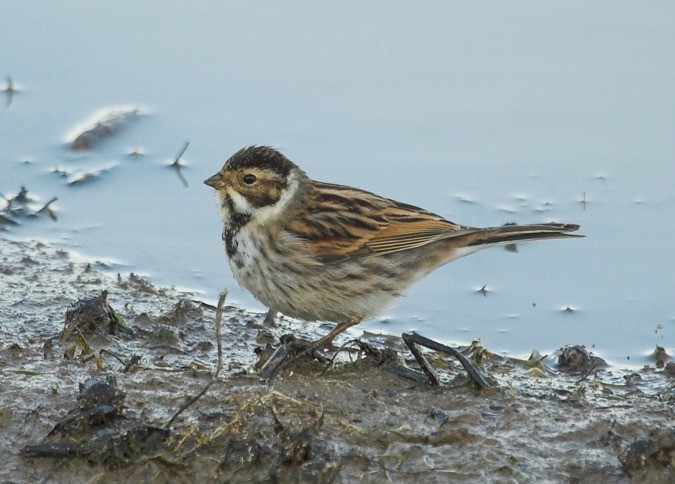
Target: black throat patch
[{"x": 237, "y": 221}]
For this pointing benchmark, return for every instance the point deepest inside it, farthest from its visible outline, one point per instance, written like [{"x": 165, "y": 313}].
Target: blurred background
[{"x": 486, "y": 114}]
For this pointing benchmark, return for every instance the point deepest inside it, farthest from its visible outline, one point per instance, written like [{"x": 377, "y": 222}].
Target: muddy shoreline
[{"x": 357, "y": 420}]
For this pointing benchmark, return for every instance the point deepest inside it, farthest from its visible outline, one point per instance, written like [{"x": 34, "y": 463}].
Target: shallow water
[{"x": 485, "y": 115}]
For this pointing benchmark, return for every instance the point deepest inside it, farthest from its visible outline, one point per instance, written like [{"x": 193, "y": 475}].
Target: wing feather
[{"x": 347, "y": 223}]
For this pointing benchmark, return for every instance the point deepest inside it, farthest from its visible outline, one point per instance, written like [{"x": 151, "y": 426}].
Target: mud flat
[{"x": 90, "y": 402}]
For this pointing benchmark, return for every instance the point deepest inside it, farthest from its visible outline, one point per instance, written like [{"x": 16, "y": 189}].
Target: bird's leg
[
  {"x": 339, "y": 328},
  {"x": 269, "y": 318},
  {"x": 411, "y": 339},
  {"x": 286, "y": 354}
]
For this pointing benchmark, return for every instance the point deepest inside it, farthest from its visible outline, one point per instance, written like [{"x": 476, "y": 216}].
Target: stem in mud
[{"x": 219, "y": 364}]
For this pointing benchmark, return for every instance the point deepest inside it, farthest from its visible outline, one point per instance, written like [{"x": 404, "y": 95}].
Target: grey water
[{"x": 485, "y": 113}]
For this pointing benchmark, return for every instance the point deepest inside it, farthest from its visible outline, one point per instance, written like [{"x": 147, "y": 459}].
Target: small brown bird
[{"x": 319, "y": 251}]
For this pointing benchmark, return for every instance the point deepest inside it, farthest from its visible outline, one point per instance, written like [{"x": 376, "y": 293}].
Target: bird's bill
[{"x": 216, "y": 181}]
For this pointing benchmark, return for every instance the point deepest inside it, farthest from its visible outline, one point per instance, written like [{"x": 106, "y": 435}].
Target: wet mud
[{"x": 91, "y": 399}]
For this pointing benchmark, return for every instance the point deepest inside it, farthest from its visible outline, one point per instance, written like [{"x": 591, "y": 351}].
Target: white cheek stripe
[
  {"x": 222, "y": 207},
  {"x": 265, "y": 214},
  {"x": 243, "y": 205}
]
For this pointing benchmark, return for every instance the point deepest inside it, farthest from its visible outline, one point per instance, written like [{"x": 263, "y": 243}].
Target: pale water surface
[{"x": 484, "y": 113}]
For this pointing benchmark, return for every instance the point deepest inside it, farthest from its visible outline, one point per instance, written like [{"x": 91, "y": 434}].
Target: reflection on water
[{"x": 511, "y": 114}]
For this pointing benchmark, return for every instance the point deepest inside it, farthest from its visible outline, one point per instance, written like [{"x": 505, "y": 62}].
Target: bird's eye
[{"x": 250, "y": 179}]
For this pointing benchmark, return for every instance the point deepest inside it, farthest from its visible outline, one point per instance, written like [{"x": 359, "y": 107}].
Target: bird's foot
[{"x": 291, "y": 350}]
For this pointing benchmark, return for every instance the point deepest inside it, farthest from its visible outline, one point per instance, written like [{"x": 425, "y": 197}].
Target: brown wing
[{"x": 345, "y": 223}]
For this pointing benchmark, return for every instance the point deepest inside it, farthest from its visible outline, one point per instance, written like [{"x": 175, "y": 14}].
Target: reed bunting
[{"x": 319, "y": 251}]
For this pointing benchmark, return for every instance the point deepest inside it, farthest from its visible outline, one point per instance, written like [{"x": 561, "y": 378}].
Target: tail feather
[{"x": 507, "y": 234}]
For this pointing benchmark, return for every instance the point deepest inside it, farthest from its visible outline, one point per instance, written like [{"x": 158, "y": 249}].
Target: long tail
[{"x": 507, "y": 234}]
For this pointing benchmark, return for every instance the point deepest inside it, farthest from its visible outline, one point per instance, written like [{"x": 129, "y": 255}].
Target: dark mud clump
[
  {"x": 652, "y": 457},
  {"x": 92, "y": 315},
  {"x": 104, "y": 125},
  {"x": 104, "y": 413}
]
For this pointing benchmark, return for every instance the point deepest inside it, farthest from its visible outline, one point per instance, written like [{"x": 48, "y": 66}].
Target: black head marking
[{"x": 261, "y": 157}]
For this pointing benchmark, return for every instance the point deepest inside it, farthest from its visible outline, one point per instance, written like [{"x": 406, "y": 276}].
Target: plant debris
[{"x": 22, "y": 206}]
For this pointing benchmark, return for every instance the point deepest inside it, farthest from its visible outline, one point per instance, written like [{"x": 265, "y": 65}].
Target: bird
[{"x": 320, "y": 251}]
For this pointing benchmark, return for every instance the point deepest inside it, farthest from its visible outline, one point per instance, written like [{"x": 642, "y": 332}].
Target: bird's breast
[{"x": 244, "y": 249}]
